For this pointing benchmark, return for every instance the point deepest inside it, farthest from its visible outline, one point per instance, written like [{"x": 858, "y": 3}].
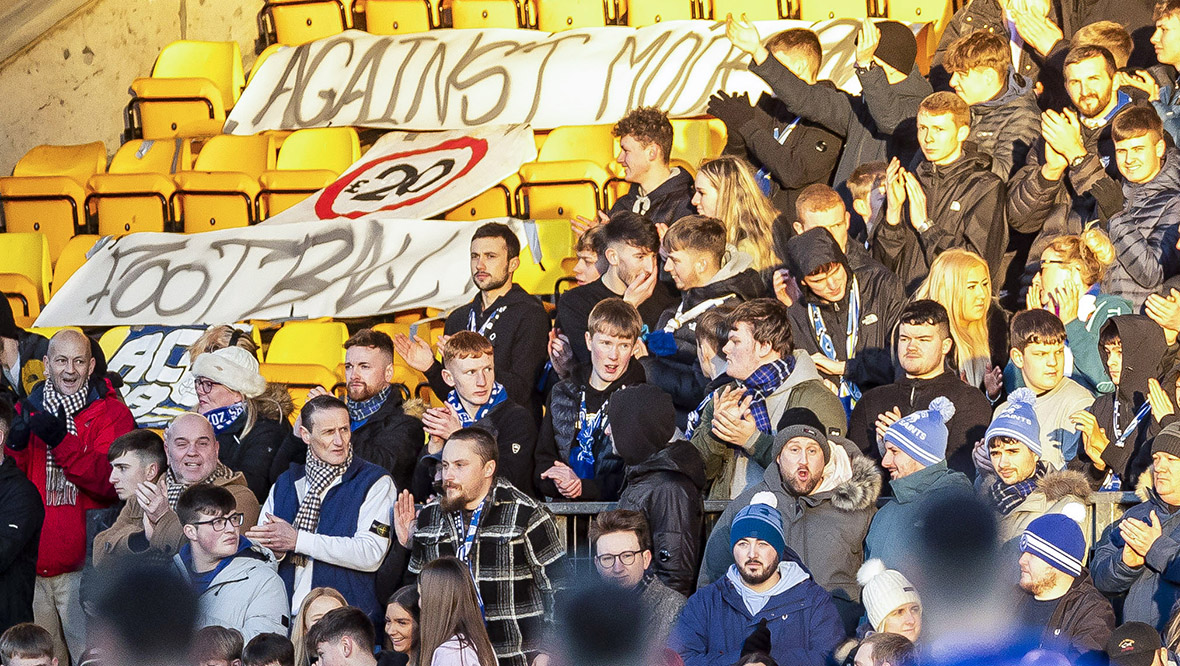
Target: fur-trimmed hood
[
  {"x": 1065, "y": 483},
  {"x": 862, "y": 489},
  {"x": 275, "y": 403}
]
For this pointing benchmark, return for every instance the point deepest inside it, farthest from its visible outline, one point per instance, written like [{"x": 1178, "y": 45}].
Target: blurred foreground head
[{"x": 144, "y": 616}]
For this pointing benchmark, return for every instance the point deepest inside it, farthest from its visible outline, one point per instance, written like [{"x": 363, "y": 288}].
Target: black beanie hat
[
  {"x": 1167, "y": 440},
  {"x": 642, "y": 421},
  {"x": 897, "y": 47},
  {"x": 8, "y": 327}
]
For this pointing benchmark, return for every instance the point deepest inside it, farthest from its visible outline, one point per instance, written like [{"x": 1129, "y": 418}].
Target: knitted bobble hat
[
  {"x": 923, "y": 434},
  {"x": 1018, "y": 421}
]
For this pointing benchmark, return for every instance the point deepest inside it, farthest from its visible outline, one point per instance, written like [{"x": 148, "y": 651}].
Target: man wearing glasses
[
  {"x": 237, "y": 582},
  {"x": 148, "y": 526},
  {"x": 622, "y": 546}
]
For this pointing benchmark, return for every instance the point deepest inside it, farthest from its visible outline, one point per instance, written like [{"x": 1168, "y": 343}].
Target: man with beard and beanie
[
  {"x": 664, "y": 478},
  {"x": 574, "y": 459},
  {"x": 148, "y": 527},
  {"x": 766, "y": 592},
  {"x": 826, "y": 494},
  {"x": 923, "y": 344},
  {"x": 513, "y": 320},
  {"x": 21, "y": 354},
  {"x": 737, "y": 427},
  {"x": 844, "y": 318},
  {"x": 59, "y": 439},
  {"x": 1118, "y": 426},
  {"x": 914, "y": 454},
  {"x": 1061, "y": 603},
  {"x": 382, "y": 432},
  {"x": 623, "y": 557},
  {"x": 328, "y": 520},
  {"x": 708, "y": 273},
  {"x": 508, "y": 539},
  {"x": 1026, "y": 487},
  {"x": 1138, "y": 552}
]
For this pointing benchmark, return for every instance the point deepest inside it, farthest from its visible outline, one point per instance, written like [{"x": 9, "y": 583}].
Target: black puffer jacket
[
  {"x": 254, "y": 453},
  {"x": 559, "y": 430},
  {"x": 881, "y": 302},
  {"x": 1144, "y": 234},
  {"x": 807, "y": 155},
  {"x": 664, "y": 481},
  {"x": 1008, "y": 126},
  {"x": 392, "y": 439},
  {"x": 667, "y": 203},
  {"x": 965, "y": 209},
  {"x": 679, "y": 374}
]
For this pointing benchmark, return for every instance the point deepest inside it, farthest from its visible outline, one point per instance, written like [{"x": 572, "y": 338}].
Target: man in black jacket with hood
[
  {"x": 661, "y": 192},
  {"x": 21, "y": 515},
  {"x": 844, "y": 318},
  {"x": 514, "y": 321},
  {"x": 664, "y": 479}
]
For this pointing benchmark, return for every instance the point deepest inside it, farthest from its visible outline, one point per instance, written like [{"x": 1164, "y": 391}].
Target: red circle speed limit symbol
[{"x": 394, "y": 181}]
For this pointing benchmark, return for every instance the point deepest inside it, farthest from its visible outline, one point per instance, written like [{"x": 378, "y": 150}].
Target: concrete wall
[{"x": 70, "y": 85}]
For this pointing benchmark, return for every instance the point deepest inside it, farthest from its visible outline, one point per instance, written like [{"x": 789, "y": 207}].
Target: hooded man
[
  {"x": 1072, "y": 615},
  {"x": 826, "y": 494},
  {"x": 766, "y": 595},
  {"x": 844, "y": 318},
  {"x": 1119, "y": 424},
  {"x": 664, "y": 478},
  {"x": 21, "y": 354},
  {"x": 915, "y": 457},
  {"x": 708, "y": 273}
]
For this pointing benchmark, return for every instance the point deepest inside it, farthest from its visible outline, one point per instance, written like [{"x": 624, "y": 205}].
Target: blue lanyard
[
  {"x": 463, "y": 552},
  {"x": 849, "y": 392},
  {"x": 582, "y": 457},
  {"x": 1121, "y": 437},
  {"x": 486, "y": 329}
]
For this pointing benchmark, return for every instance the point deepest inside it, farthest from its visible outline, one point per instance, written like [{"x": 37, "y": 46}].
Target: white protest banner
[
  {"x": 153, "y": 362},
  {"x": 329, "y": 268},
  {"x": 416, "y": 175},
  {"x": 456, "y": 79}
]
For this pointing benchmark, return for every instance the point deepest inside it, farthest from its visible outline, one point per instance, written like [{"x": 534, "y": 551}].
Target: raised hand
[
  {"x": 867, "y": 39},
  {"x": 415, "y": 351},
  {"x": 744, "y": 37},
  {"x": 405, "y": 518}
]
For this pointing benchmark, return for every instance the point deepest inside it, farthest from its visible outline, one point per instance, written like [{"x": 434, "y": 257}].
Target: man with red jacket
[{"x": 60, "y": 440}]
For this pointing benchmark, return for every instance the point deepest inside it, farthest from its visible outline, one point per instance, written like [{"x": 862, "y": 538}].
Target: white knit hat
[
  {"x": 885, "y": 590},
  {"x": 233, "y": 367}
]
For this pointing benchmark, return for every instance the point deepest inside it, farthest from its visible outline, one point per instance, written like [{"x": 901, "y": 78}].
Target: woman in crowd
[
  {"x": 1069, "y": 285},
  {"x": 315, "y": 605},
  {"x": 401, "y": 628},
  {"x": 726, "y": 189},
  {"x": 959, "y": 281},
  {"x": 452, "y": 628}
]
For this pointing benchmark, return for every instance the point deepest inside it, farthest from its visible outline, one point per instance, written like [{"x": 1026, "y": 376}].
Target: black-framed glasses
[
  {"x": 627, "y": 557},
  {"x": 220, "y": 522},
  {"x": 204, "y": 384}
]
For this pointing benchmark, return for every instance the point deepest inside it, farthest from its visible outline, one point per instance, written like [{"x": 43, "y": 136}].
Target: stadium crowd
[{"x": 905, "y": 334}]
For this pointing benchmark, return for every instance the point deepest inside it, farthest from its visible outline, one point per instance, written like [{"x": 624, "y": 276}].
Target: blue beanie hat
[
  {"x": 922, "y": 435},
  {"x": 1018, "y": 421},
  {"x": 760, "y": 521},
  {"x": 1057, "y": 539}
]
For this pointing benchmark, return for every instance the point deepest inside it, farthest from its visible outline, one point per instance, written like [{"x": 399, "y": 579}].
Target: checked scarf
[
  {"x": 60, "y": 491},
  {"x": 1006, "y": 498},
  {"x": 319, "y": 475},
  {"x": 359, "y": 411},
  {"x": 497, "y": 396},
  {"x": 761, "y": 383},
  {"x": 175, "y": 486}
]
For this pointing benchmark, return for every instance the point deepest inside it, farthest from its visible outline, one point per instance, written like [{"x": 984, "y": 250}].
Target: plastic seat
[
  {"x": 133, "y": 195},
  {"x": 309, "y": 160},
  {"x": 557, "y": 244},
  {"x": 695, "y": 139},
  {"x": 495, "y": 202},
  {"x": 488, "y": 14},
  {"x": 266, "y": 53},
  {"x": 46, "y": 192},
  {"x": 397, "y": 17},
  {"x": 220, "y": 191},
  {"x": 112, "y": 339},
  {"x": 72, "y": 258},
  {"x": 755, "y": 10},
  {"x": 814, "y": 10},
  {"x": 560, "y": 189},
  {"x": 296, "y": 22},
  {"x": 25, "y": 273},
  {"x": 594, "y": 143},
  {"x": 650, "y": 12},
  {"x": 558, "y": 15},
  {"x": 192, "y": 86},
  {"x": 306, "y": 354}
]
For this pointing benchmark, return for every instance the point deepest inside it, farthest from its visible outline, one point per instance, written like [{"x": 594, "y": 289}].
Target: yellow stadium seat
[
  {"x": 594, "y": 143},
  {"x": 48, "y": 332},
  {"x": 133, "y": 194},
  {"x": 696, "y": 139},
  {"x": 221, "y": 190},
  {"x": 935, "y": 12},
  {"x": 72, "y": 258},
  {"x": 558, "y": 15},
  {"x": 192, "y": 86},
  {"x": 25, "y": 273},
  {"x": 309, "y": 160},
  {"x": 266, "y": 53},
  {"x": 46, "y": 192},
  {"x": 309, "y": 343},
  {"x": 650, "y": 12},
  {"x": 489, "y": 14},
  {"x": 814, "y": 10},
  {"x": 560, "y": 189},
  {"x": 557, "y": 244},
  {"x": 112, "y": 339},
  {"x": 396, "y": 17},
  {"x": 755, "y": 10},
  {"x": 495, "y": 202},
  {"x": 296, "y": 22}
]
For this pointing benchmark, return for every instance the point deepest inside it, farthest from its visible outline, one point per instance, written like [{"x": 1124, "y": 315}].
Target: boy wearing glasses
[{"x": 237, "y": 581}]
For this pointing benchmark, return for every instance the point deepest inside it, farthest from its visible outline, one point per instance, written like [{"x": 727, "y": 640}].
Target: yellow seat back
[
  {"x": 329, "y": 148},
  {"x": 131, "y": 202},
  {"x": 594, "y": 143},
  {"x": 815, "y": 10},
  {"x": 398, "y": 17},
  {"x": 146, "y": 156},
  {"x": 695, "y": 139},
  {"x": 220, "y": 62},
  {"x": 49, "y": 205},
  {"x": 250, "y": 154},
  {"x": 72, "y": 258},
  {"x": 755, "y": 10},
  {"x": 174, "y": 107},
  {"x": 558, "y": 15},
  {"x": 557, "y": 243},
  {"x": 300, "y": 21},
  {"x": 27, "y": 254},
  {"x": 650, "y": 12},
  {"x": 112, "y": 339},
  {"x": 309, "y": 343},
  {"x": 486, "y": 14},
  {"x": 77, "y": 162},
  {"x": 560, "y": 189}
]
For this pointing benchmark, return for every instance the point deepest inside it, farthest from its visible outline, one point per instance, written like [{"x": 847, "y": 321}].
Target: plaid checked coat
[{"x": 517, "y": 559}]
